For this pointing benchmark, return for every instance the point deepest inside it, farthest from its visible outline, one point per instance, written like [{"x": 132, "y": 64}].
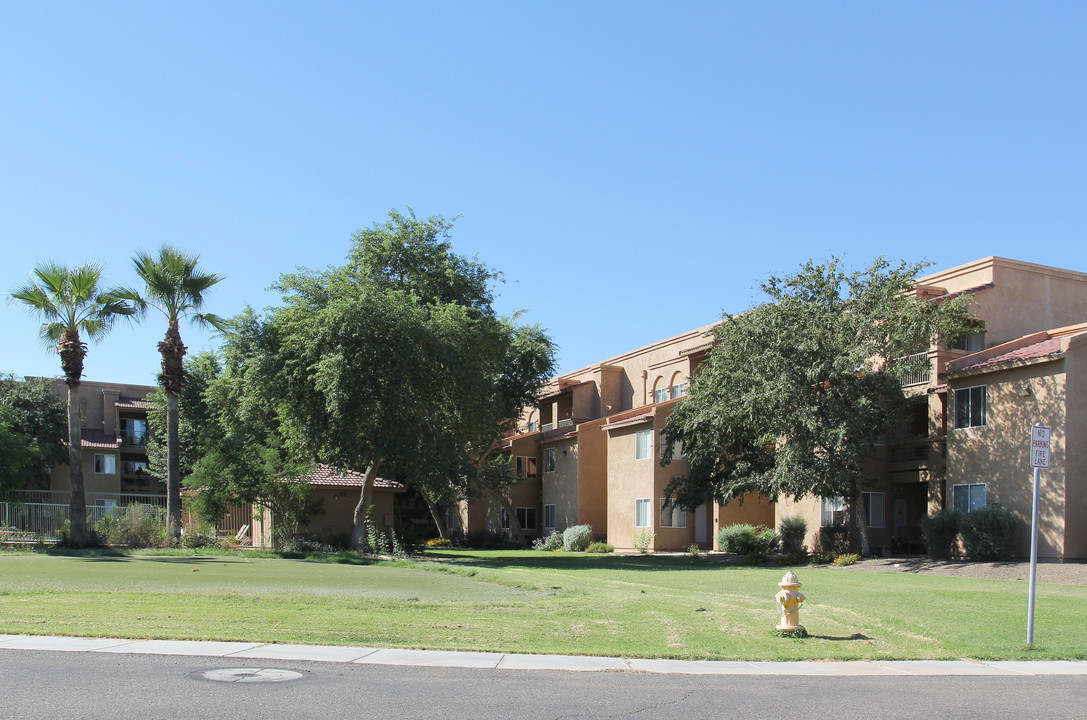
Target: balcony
[
  {"x": 547, "y": 426},
  {"x": 133, "y": 440},
  {"x": 566, "y": 422},
  {"x": 913, "y": 369}
]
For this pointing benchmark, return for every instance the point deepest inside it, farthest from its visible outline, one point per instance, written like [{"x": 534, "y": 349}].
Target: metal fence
[{"x": 40, "y": 515}]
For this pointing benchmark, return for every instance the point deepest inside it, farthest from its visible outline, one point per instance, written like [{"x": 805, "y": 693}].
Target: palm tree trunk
[
  {"x": 359, "y": 539},
  {"x": 173, "y": 381},
  {"x": 173, "y": 468},
  {"x": 77, "y": 503}
]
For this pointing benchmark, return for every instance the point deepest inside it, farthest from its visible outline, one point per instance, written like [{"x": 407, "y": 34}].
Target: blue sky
[{"x": 633, "y": 168}]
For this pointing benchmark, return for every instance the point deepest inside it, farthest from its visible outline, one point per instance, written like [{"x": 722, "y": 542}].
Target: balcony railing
[
  {"x": 547, "y": 426},
  {"x": 134, "y": 440},
  {"x": 913, "y": 369},
  {"x": 566, "y": 422}
]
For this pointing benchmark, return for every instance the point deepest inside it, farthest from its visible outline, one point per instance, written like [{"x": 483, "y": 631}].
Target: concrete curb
[{"x": 512, "y": 661}]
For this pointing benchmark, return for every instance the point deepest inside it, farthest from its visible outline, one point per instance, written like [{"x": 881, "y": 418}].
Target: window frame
[
  {"x": 503, "y": 518},
  {"x": 974, "y": 412},
  {"x": 676, "y": 516},
  {"x": 108, "y": 459},
  {"x": 528, "y": 512},
  {"x": 549, "y": 460},
  {"x": 971, "y": 506},
  {"x": 643, "y": 444},
  {"x": 834, "y": 508},
  {"x": 869, "y": 515},
  {"x": 549, "y": 513},
  {"x": 643, "y": 508},
  {"x": 661, "y": 394},
  {"x": 678, "y": 390}
]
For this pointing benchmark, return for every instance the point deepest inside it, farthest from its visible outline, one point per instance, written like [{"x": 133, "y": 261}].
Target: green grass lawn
[{"x": 631, "y": 606}]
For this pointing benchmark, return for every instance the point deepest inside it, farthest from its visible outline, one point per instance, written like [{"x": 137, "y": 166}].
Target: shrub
[
  {"x": 137, "y": 526},
  {"x": 743, "y": 539},
  {"x": 550, "y": 543},
  {"x": 694, "y": 551},
  {"x": 800, "y": 557},
  {"x": 846, "y": 559},
  {"x": 834, "y": 540},
  {"x": 821, "y": 558},
  {"x": 201, "y": 536},
  {"x": 938, "y": 531},
  {"x": 989, "y": 533},
  {"x": 438, "y": 542},
  {"x": 577, "y": 537},
  {"x": 792, "y": 530},
  {"x": 643, "y": 540},
  {"x": 600, "y": 547}
]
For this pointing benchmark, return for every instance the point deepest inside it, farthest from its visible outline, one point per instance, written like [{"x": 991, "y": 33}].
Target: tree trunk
[
  {"x": 77, "y": 503},
  {"x": 359, "y": 534},
  {"x": 173, "y": 382},
  {"x": 862, "y": 527},
  {"x": 173, "y": 468},
  {"x": 437, "y": 514},
  {"x": 515, "y": 525}
]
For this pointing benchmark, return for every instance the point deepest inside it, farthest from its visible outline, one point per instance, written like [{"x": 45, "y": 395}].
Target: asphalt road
[{"x": 59, "y": 685}]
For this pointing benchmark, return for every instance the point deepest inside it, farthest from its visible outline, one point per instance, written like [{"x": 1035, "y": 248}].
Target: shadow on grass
[
  {"x": 840, "y": 638},
  {"x": 586, "y": 561}
]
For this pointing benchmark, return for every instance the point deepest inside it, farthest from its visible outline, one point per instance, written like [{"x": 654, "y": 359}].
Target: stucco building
[{"x": 590, "y": 451}]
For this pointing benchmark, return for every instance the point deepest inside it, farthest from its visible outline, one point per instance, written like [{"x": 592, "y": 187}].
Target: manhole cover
[{"x": 251, "y": 675}]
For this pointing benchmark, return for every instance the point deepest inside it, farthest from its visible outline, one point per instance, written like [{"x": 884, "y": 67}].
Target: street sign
[{"x": 1039, "y": 446}]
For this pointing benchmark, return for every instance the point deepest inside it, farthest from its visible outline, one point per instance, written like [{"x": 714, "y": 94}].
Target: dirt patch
[{"x": 1048, "y": 572}]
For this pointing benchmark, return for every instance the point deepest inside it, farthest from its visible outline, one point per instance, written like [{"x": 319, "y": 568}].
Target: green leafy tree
[
  {"x": 381, "y": 362},
  {"x": 238, "y": 448},
  {"x": 797, "y": 391},
  {"x": 32, "y": 430},
  {"x": 71, "y": 305},
  {"x": 175, "y": 287}
]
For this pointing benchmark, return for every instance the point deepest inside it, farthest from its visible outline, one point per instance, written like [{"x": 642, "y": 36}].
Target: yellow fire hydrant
[{"x": 789, "y": 599}]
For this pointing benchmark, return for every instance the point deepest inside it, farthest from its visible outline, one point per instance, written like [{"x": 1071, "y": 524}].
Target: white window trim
[
  {"x": 503, "y": 519},
  {"x": 677, "y": 518},
  {"x": 984, "y": 412},
  {"x": 549, "y": 509},
  {"x": 550, "y": 460},
  {"x": 967, "y": 486},
  {"x": 535, "y": 519},
  {"x": 836, "y": 505},
  {"x": 869, "y": 517},
  {"x": 108, "y": 460},
  {"x": 648, "y": 436},
  {"x": 648, "y": 505}
]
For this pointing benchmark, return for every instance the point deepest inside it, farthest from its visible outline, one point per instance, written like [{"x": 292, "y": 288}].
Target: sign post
[{"x": 1039, "y": 458}]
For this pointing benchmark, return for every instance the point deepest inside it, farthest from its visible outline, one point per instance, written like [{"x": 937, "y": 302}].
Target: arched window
[
  {"x": 660, "y": 390},
  {"x": 679, "y": 385}
]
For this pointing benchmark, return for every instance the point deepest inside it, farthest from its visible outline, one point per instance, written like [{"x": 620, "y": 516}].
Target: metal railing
[
  {"x": 913, "y": 369},
  {"x": 567, "y": 422},
  {"x": 133, "y": 440}
]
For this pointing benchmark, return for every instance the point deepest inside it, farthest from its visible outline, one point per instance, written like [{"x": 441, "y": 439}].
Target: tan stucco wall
[
  {"x": 628, "y": 480},
  {"x": 560, "y": 487},
  {"x": 1075, "y": 450},
  {"x": 592, "y": 498},
  {"x": 998, "y": 453}
]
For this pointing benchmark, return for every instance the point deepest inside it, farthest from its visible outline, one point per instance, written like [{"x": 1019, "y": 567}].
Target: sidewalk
[{"x": 507, "y": 661}]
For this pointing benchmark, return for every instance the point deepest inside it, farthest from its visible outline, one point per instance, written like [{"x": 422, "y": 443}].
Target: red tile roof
[
  {"x": 327, "y": 475},
  {"x": 628, "y": 421},
  {"x": 1041, "y": 349},
  {"x": 97, "y": 439},
  {"x": 132, "y": 404}
]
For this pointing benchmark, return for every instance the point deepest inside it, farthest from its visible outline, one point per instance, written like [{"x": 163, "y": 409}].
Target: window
[
  {"x": 677, "y": 447},
  {"x": 971, "y": 343},
  {"x": 533, "y": 425},
  {"x": 105, "y": 464},
  {"x": 874, "y": 509},
  {"x": 660, "y": 394},
  {"x": 968, "y": 497},
  {"x": 641, "y": 512},
  {"x": 679, "y": 390},
  {"x": 526, "y": 467},
  {"x": 133, "y": 432},
  {"x": 672, "y": 515},
  {"x": 833, "y": 512},
  {"x": 549, "y": 517},
  {"x": 527, "y": 518},
  {"x": 549, "y": 459},
  {"x": 134, "y": 467},
  {"x": 643, "y": 444},
  {"x": 504, "y": 518},
  {"x": 970, "y": 407}
]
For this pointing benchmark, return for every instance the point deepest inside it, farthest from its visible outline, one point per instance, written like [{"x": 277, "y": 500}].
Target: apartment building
[
  {"x": 115, "y": 434},
  {"x": 590, "y": 451}
]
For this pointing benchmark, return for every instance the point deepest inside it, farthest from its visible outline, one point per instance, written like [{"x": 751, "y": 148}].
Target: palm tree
[
  {"x": 69, "y": 302},
  {"x": 176, "y": 289}
]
